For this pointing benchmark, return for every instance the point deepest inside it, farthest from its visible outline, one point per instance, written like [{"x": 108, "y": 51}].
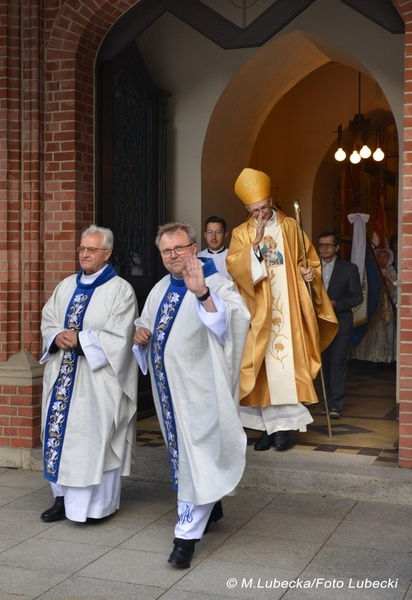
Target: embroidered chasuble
[
  {"x": 63, "y": 387},
  {"x": 288, "y": 329},
  {"x": 89, "y": 405},
  {"x": 195, "y": 383}
]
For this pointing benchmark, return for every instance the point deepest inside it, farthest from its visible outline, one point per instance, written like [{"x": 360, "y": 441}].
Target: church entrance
[{"x": 130, "y": 173}]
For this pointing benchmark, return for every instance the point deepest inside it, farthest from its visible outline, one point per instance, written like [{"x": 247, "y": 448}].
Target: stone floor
[
  {"x": 269, "y": 545},
  {"x": 324, "y": 520}
]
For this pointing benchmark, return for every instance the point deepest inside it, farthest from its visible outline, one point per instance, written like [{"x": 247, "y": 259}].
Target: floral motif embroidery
[
  {"x": 58, "y": 410},
  {"x": 167, "y": 312},
  {"x": 277, "y": 349}
]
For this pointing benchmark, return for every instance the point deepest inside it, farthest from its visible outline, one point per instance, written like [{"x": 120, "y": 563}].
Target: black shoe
[
  {"x": 265, "y": 441},
  {"x": 182, "y": 553},
  {"x": 215, "y": 515},
  {"x": 55, "y": 512},
  {"x": 334, "y": 414},
  {"x": 282, "y": 440}
]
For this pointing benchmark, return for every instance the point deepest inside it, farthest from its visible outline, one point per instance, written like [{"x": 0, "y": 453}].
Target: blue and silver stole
[
  {"x": 168, "y": 309},
  {"x": 63, "y": 387}
]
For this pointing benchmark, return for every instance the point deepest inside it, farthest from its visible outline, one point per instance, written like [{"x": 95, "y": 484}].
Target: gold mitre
[{"x": 252, "y": 186}]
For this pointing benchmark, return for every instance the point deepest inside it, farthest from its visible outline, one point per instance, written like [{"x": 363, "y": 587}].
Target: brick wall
[
  {"x": 73, "y": 42},
  {"x": 21, "y": 165},
  {"x": 20, "y": 414},
  {"x": 405, "y": 333},
  {"x": 10, "y": 163}
]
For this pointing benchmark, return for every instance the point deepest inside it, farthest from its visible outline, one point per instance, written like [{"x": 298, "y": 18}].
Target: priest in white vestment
[
  {"x": 89, "y": 385},
  {"x": 191, "y": 335}
]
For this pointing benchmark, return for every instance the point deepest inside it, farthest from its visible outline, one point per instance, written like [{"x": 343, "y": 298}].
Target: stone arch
[{"x": 247, "y": 101}]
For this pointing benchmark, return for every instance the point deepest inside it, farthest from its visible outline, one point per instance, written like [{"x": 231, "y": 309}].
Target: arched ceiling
[{"x": 224, "y": 32}]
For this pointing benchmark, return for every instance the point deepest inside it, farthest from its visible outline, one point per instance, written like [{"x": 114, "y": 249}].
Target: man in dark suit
[{"x": 342, "y": 282}]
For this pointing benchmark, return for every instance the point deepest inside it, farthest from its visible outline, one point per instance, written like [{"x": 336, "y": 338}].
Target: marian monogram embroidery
[{"x": 186, "y": 515}]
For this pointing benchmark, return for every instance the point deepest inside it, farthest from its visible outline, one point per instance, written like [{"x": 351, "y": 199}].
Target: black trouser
[{"x": 334, "y": 370}]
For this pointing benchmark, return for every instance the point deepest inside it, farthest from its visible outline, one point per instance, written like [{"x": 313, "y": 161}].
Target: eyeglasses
[
  {"x": 90, "y": 250},
  {"x": 256, "y": 212},
  {"x": 178, "y": 249},
  {"x": 326, "y": 246},
  {"x": 210, "y": 232}
]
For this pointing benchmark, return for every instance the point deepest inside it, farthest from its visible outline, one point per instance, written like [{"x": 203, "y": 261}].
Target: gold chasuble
[{"x": 288, "y": 330}]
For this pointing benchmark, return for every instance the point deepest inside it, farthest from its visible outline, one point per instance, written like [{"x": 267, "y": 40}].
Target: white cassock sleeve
[
  {"x": 92, "y": 349},
  {"x": 140, "y": 353},
  {"x": 258, "y": 268},
  {"x": 215, "y": 321},
  {"x": 46, "y": 355}
]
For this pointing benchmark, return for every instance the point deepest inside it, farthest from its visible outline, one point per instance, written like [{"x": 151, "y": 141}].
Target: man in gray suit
[{"x": 342, "y": 282}]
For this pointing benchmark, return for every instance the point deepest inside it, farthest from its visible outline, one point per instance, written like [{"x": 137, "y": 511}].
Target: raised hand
[
  {"x": 260, "y": 230},
  {"x": 193, "y": 275}
]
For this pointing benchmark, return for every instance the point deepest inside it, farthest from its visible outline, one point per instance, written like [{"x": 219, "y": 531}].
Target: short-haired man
[
  {"x": 191, "y": 333},
  {"x": 342, "y": 282},
  {"x": 215, "y": 233},
  {"x": 89, "y": 385}
]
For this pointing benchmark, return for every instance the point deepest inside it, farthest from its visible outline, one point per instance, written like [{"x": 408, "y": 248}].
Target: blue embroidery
[
  {"x": 186, "y": 516},
  {"x": 63, "y": 388},
  {"x": 57, "y": 416},
  {"x": 163, "y": 324}
]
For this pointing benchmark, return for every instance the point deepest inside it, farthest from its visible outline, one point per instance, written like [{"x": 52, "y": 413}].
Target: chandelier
[{"x": 361, "y": 134}]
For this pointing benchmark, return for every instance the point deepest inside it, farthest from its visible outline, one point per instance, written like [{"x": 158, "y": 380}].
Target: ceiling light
[{"x": 360, "y": 132}]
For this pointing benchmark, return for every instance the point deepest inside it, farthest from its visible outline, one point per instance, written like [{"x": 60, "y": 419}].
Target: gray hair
[
  {"x": 107, "y": 235},
  {"x": 172, "y": 227}
]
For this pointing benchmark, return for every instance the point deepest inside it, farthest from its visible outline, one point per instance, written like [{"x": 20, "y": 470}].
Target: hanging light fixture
[
  {"x": 340, "y": 153},
  {"x": 379, "y": 155},
  {"x": 359, "y": 128}
]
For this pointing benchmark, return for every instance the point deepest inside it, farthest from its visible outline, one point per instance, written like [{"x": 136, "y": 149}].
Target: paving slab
[{"x": 289, "y": 538}]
